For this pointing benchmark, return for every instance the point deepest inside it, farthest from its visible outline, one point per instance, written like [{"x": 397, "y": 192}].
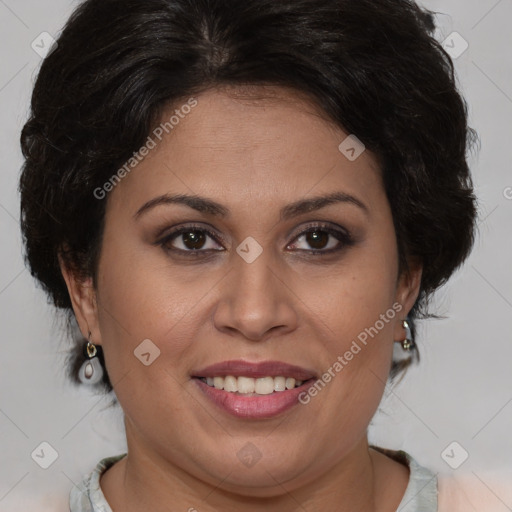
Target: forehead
[{"x": 262, "y": 144}]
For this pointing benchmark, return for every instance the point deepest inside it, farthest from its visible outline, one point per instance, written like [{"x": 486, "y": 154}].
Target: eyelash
[{"x": 343, "y": 237}]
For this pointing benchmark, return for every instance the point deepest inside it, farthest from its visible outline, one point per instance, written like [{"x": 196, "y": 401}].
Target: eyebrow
[{"x": 210, "y": 207}]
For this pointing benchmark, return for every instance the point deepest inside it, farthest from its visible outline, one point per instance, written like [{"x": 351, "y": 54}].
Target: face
[{"x": 252, "y": 280}]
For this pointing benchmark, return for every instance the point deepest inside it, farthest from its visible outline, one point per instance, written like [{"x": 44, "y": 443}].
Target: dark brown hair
[{"x": 373, "y": 66}]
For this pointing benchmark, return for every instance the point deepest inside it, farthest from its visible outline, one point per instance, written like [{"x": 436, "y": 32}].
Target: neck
[{"x": 144, "y": 479}]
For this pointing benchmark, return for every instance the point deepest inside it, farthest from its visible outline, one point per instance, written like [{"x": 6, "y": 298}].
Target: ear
[
  {"x": 407, "y": 291},
  {"x": 83, "y": 299}
]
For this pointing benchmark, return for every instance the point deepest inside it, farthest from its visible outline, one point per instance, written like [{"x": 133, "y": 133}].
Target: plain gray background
[{"x": 462, "y": 389}]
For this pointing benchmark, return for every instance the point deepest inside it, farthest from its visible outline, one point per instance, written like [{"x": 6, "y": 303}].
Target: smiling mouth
[{"x": 248, "y": 386}]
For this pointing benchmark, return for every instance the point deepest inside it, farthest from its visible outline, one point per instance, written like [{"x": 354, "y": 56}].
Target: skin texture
[{"x": 254, "y": 155}]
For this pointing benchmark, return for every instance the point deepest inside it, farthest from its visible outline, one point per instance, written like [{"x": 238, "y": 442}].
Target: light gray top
[{"x": 420, "y": 494}]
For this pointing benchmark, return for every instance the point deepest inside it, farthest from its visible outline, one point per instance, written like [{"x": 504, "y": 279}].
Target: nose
[{"x": 255, "y": 300}]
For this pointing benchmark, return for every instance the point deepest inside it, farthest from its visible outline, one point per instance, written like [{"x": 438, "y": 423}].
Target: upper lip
[{"x": 241, "y": 368}]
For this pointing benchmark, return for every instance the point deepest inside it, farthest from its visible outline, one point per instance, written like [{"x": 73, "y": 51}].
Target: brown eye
[
  {"x": 198, "y": 241},
  {"x": 323, "y": 240},
  {"x": 190, "y": 239},
  {"x": 317, "y": 239},
  {"x": 193, "y": 239}
]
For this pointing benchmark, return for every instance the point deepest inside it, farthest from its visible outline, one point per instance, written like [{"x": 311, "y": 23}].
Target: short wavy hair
[{"x": 372, "y": 66}]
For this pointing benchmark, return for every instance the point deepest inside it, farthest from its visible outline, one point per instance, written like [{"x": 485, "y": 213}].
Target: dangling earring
[
  {"x": 407, "y": 343},
  {"x": 91, "y": 371}
]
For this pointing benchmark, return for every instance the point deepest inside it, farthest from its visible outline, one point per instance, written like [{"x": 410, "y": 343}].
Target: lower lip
[{"x": 255, "y": 406}]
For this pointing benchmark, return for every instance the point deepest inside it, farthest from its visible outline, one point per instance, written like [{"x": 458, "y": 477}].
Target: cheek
[
  {"x": 356, "y": 300},
  {"x": 145, "y": 301},
  {"x": 351, "y": 386},
  {"x": 357, "y": 326}
]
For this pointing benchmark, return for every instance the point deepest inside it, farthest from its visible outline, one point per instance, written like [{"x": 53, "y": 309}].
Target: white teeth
[
  {"x": 245, "y": 385},
  {"x": 279, "y": 383},
  {"x": 248, "y": 385},
  {"x": 264, "y": 386},
  {"x": 218, "y": 382},
  {"x": 230, "y": 383}
]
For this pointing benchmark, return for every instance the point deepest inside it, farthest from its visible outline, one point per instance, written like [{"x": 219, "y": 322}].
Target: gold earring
[
  {"x": 91, "y": 371},
  {"x": 407, "y": 343}
]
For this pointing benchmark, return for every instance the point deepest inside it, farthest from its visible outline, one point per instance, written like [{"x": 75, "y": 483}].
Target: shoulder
[
  {"x": 422, "y": 489},
  {"x": 441, "y": 492},
  {"x": 475, "y": 492},
  {"x": 88, "y": 496}
]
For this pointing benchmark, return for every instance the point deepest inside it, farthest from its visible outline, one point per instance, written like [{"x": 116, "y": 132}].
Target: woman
[{"x": 245, "y": 205}]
